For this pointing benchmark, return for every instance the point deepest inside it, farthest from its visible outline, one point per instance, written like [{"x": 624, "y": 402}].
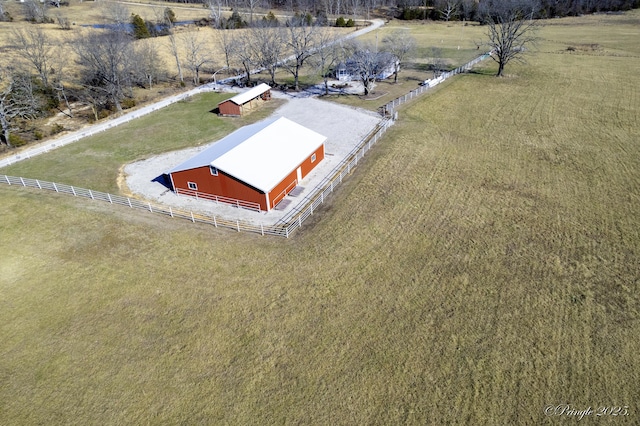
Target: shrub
[
  {"x": 169, "y": 16},
  {"x": 57, "y": 128},
  {"x": 38, "y": 135},
  {"x": 270, "y": 19},
  {"x": 308, "y": 19},
  {"x": 128, "y": 103},
  {"x": 340, "y": 22},
  {"x": 140, "y": 29},
  {"x": 350, "y": 23},
  {"x": 235, "y": 21},
  {"x": 16, "y": 140}
]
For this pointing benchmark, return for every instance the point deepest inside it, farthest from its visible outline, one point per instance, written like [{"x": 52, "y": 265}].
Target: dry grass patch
[{"x": 478, "y": 265}]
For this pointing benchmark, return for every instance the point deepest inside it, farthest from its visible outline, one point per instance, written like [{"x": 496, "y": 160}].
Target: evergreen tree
[{"x": 140, "y": 29}]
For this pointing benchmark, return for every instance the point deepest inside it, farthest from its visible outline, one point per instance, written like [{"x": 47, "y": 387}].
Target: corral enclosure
[{"x": 479, "y": 266}]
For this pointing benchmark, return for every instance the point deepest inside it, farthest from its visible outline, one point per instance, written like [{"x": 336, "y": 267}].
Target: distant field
[{"x": 479, "y": 265}]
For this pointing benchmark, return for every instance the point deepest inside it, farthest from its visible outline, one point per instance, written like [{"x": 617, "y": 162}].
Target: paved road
[{"x": 109, "y": 123}]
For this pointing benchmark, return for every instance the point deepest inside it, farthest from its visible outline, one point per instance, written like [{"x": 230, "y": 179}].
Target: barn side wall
[
  {"x": 287, "y": 184},
  {"x": 228, "y": 108},
  {"x": 308, "y": 165},
  {"x": 222, "y": 185}
]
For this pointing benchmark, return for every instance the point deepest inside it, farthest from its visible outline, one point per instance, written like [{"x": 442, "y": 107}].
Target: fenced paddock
[
  {"x": 284, "y": 228},
  {"x": 288, "y": 224},
  {"x": 390, "y": 107}
]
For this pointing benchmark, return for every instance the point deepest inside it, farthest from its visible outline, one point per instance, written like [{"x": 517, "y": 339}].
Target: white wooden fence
[
  {"x": 389, "y": 108},
  {"x": 101, "y": 127},
  {"x": 284, "y": 228}
]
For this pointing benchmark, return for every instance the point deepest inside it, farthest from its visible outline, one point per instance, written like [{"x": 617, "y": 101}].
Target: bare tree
[
  {"x": 244, "y": 53},
  {"x": 148, "y": 63},
  {"x": 35, "y": 11},
  {"x": 510, "y": 29},
  {"x": 197, "y": 54},
  {"x": 108, "y": 60},
  {"x": 328, "y": 55},
  {"x": 228, "y": 44},
  {"x": 268, "y": 47},
  {"x": 215, "y": 11},
  {"x": 17, "y": 100},
  {"x": 94, "y": 97},
  {"x": 368, "y": 6},
  {"x": 367, "y": 63},
  {"x": 302, "y": 42},
  {"x": 401, "y": 45},
  {"x": 437, "y": 62},
  {"x": 33, "y": 45},
  {"x": 252, "y": 5},
  {"x": 63, "y": 22},
  {"x": 354, "y": 7},
  {"x": 117, "y": 13},
  {"x": 447, "y": 8},
  {"x": 175, "y": 52}
]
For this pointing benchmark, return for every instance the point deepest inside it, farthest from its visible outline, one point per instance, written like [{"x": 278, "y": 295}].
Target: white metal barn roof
[
  {"x": 242, "y": 98},
  {"x": 261, "y": 154}
]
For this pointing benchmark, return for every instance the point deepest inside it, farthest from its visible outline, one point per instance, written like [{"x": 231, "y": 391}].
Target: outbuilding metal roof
[
  {"x": 260, "y": 154},
  {"x": 242, "y": 98}
]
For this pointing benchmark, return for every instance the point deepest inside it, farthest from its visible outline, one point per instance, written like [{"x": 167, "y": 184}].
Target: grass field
[
  {"x": 479, "y": 265},
  {"x": 181, "y": 125}
]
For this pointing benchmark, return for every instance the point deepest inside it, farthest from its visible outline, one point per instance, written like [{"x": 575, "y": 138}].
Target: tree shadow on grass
[{"x": 482, "y": 71}]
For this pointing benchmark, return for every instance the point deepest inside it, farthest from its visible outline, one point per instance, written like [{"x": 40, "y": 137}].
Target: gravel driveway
[{"x": 343, "y": 126}]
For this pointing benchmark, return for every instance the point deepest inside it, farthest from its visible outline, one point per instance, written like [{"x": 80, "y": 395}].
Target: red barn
[
  {"x": 246, "y": 101},
  {"x": 254, "y": 167}
]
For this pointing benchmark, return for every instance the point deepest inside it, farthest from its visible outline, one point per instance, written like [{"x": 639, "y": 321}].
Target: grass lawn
[
  {"x": 181, "y": 125},
  {"x": 479, "y": 265}
]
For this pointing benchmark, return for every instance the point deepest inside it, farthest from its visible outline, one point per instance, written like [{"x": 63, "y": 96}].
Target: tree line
[{"x": 470, "y": 10}]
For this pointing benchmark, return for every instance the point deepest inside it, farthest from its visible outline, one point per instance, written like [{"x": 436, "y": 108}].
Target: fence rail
[
  {"x": 284, "y": 228},
  {"x": 101, "y": 127},
  {"x": 220, "y": 199},
  {"x": 389, "y": 108},
  {"x": 289, "y": 223}
]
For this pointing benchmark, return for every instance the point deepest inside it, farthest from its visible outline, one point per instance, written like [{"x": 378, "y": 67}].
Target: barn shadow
[
  {"x": 215, "y": 111},
  {"x": 163, "y": 179}
]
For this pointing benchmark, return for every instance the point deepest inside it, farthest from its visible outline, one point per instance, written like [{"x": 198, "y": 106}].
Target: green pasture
[
  {"x": 94, "y": 162},
  {"x": 479, "y": 265}
]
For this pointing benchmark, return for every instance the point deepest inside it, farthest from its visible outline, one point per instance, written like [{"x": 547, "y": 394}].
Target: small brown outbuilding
[{"x": 243, "y": 102}]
